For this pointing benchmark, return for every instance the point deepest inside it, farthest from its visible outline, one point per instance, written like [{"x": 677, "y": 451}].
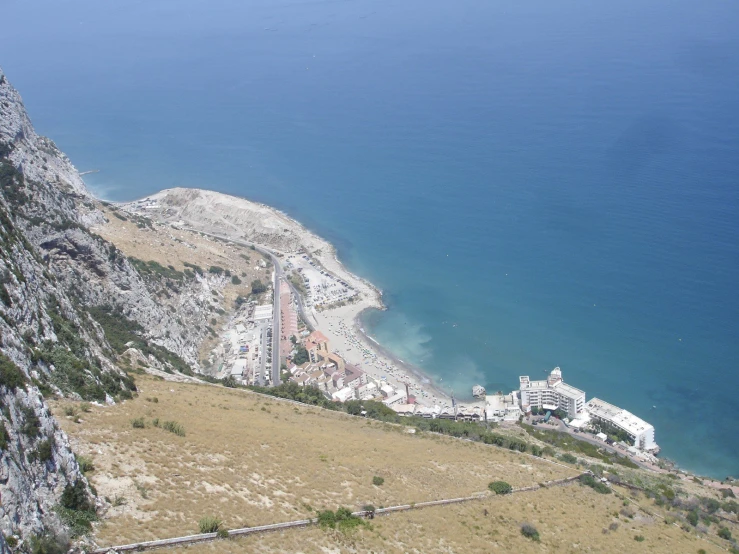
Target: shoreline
[
  {"x": 238, "y": 219},
  {"x": 341, "y": 324}
]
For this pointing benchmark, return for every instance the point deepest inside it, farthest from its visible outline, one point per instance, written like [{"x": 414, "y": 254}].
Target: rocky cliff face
[{"x": 70, "y": 305}]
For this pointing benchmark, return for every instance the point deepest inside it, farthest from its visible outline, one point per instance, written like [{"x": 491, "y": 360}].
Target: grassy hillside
[{"x": 250, "y": 460}]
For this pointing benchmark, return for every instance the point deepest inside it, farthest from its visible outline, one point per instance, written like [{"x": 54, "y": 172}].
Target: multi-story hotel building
[
  {"x": 551, "y": 394},
  {"x": 639, "y": 431}
]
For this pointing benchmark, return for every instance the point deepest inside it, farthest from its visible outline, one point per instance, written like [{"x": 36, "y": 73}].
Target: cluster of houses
[{"x": 341, "y": 381}]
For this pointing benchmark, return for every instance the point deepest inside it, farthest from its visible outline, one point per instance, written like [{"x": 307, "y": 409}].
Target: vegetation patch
[
  {"x": 590, "y": 481},
  {"x": 529, "y": 531},
  {"x": 122, "y": 331},
  {"x": 76, "y": 509},
  {"x": 569, "y": 443},
  {"x": 174, "y": 427},
  {"x": 11, "y": 377},
  {"x": 257, "y": 287},
  {"x": 500, "y": 487},
  {"x": 210, "y": 524},
  {"x": 343, "y": 519}
]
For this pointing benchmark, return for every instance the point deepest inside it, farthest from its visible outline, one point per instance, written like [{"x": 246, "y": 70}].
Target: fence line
[{"x": 205, "y": 537}]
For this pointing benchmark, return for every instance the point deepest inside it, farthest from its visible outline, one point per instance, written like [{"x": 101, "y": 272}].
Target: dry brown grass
[
  {"x": 569, "y": 519},
  {"x": 253, "y": 460}
]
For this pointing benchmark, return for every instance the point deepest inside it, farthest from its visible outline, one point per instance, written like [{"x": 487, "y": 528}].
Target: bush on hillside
[
  {"x": 11, "y": 377},
  {"x": 590, "y": 481},
  {"x": 174, "y": 427},
  {"x": 529, "y": 531},
  {"x": 500, "y": 487},
  {"x": 210, "y": 524},
  {"x": 257, "y": 287}
]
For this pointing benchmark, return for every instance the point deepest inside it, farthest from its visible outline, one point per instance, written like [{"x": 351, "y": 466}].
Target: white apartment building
[
  {"x": 551, "y": 394},
  {"x": 639, "y": 431}
]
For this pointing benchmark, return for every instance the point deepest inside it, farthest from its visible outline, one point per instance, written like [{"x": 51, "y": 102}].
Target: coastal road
[
  {"x": 276, "y": 316},
  {"x": 278, "y": 276}
]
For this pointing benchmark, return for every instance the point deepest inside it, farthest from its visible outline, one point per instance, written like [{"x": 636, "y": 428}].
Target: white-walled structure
[
  {"x": 639, "y": 431},
  {"x": 502, "y": 407},
  {"x": 551, "y": 394}
]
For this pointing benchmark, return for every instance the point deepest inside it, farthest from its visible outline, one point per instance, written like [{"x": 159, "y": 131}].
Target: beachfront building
[
  {"x": 639, "y": 431},
  {"x": 551, "y": 394},
  {"x": 318, "y": 350},
  {"x": 368, "y": 391},
  {"x": 347, "y": 393},
  {"x": 502, "y": 407},
  {"x": 398, "y": 398}
]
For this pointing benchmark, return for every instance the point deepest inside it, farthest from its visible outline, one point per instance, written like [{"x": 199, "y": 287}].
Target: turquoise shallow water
[{"x": 531, "y": 184}]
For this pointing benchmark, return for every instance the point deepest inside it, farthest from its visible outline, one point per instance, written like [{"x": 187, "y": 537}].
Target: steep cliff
[{"x": 70, "y": 305}]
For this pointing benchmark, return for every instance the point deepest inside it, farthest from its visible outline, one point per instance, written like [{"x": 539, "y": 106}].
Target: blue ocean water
[{"x": 531, "y": 183}]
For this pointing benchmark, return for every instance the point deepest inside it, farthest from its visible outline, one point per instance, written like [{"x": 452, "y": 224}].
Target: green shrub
[
  {"x": 70, "y": 411},
  {"x": 639, "y": 538},
  {"x": 85, "y": 463},
  {"x": 343, "y": 518},
  {"x": 216, "y": 270},
  {"x": 724, "y": 533},
  {"x": 174, "y": 427},
  {"x": 4, "y": 436},
  {"x": 692, "y": 518},
  {"x": 529, "y": 531},
  {"x": 31, "y": 424},
  {"x": 378, "y": 481},
  {"x": 44, "y": 450},
  {"x": 590, "y": 481},
  {"x": 500, "y": 487},
  {"x": 257, "y": 287},
  {"x": 154, "y": 268},
  {"x": 209, "y": 524},
  {"x": 568, "y": 458},
  {"x": 138, "y": 423},
  {"x": 11, "y": 377},
  {"x": 222, "y": 533},
  {"x": 235, "y": 280},
  {"x": 75, "y": 497}
]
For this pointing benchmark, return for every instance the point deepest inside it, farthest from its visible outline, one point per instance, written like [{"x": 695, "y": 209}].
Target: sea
[{"x": 531, "y": 183}]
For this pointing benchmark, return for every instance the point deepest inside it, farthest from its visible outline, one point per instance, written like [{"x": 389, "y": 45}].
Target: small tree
[
  {"x": 500, "y": 487},
  {"x": 377, "y": 481},
  {"x": 724, "y": 533},
  {"x": 257, "y": 287}
]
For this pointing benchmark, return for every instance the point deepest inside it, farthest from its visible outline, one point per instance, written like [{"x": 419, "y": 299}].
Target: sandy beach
[
  {"x": 239, "y": 219},
  {"x": 346, "y": 337}
]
